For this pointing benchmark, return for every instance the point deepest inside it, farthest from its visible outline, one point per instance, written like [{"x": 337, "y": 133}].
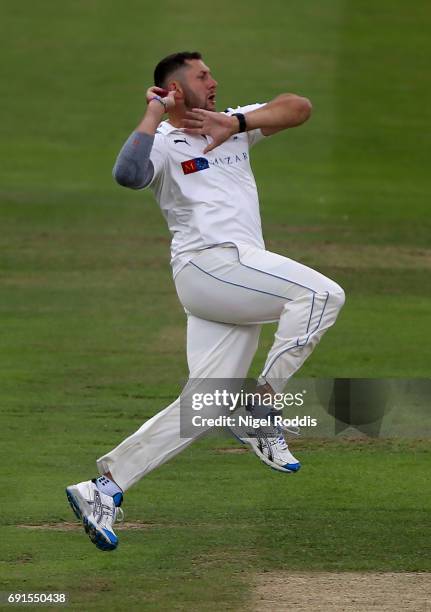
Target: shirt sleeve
[
  {"x": 158, "y": 156},
  {"x": 254, "y": 136}
]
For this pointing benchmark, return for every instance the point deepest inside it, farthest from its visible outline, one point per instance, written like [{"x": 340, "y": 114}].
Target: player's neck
[{"x": 177, "y": 116}]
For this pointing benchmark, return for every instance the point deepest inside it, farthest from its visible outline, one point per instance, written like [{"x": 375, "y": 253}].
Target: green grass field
[{"x": 93, "y": 334}]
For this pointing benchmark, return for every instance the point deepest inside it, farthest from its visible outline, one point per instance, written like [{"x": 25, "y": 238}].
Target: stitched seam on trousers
[
  {"x": 274, "y": 275},
  {"x": 242, "y": 286},
  {"x": 257, "y": 269},
  {"x": 274, "y": 359},
  {"x": 311, "y": 312},
  {"x": 321, "y": 316}
]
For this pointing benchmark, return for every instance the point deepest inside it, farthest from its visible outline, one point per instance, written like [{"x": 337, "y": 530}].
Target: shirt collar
[{"x": 166, "y": 128}]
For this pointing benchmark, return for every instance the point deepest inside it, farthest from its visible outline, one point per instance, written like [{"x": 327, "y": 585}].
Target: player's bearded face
[
  {"x": 192, "y": 99},
  {"x": 199, "y": 87},
  {"x": 197, "y": 99}
]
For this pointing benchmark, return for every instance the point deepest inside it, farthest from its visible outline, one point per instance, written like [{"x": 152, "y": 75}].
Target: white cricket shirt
[{"x": 206, "y": 199}]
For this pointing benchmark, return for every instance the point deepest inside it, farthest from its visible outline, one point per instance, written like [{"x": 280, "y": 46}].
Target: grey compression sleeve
[{"x": 133, "y": 167}]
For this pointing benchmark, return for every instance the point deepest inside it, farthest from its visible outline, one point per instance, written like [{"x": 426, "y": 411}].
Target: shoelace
[
  {"x": 276, "y": 441},
  {"x": 294, "y": 430},
  {"x": 280, "y": 440},
  {"x": 119, "y": 515},
  {"x": 291, "y": 429},
  {"x": 116, "y": 513},
  {"x": 282, "y": 443}
]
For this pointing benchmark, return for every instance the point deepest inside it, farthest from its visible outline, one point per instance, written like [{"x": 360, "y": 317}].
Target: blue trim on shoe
[
  {"x": 112, "y": 538},
  {"x": 288, "y": 468},
  {"x": 118, "y": 498},
  {"x": 97, "y": 537}
]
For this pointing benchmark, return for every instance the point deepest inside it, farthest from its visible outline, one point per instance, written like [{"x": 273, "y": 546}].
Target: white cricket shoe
[
  {"x": 97, "y": 511},
  {"x": 269, "y": 444}
]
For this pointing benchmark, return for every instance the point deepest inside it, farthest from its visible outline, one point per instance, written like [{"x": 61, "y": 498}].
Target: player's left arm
[{"x": 283, "y": 112}]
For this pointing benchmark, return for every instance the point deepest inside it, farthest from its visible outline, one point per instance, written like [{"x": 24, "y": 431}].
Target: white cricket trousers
[{"x": 228, "y": 293}]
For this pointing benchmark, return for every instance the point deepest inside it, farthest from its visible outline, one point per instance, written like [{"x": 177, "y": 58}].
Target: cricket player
[{"x": 196, "y": 161}]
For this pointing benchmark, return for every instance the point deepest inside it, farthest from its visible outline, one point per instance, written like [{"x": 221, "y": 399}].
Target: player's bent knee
[{"x": 338, "y": 297}]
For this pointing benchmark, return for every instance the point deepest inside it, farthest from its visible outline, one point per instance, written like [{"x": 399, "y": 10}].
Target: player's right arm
[{"x": 134, "y": 168}]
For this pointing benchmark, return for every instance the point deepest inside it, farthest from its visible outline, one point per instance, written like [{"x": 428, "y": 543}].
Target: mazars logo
[{"x": 194, "y": 165}]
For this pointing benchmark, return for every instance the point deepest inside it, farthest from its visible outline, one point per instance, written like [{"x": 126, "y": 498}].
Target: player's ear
[{"x": 176, "y": 86}]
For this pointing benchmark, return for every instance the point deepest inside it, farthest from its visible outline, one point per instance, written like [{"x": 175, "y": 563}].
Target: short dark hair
[{"x": 172, "y": 62}]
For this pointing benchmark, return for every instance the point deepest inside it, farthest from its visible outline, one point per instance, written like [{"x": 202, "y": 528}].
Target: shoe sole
[{"x": 101, "y": 541}]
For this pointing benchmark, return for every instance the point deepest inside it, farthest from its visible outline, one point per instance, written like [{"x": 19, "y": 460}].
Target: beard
[{"x": 192, "y": 100}]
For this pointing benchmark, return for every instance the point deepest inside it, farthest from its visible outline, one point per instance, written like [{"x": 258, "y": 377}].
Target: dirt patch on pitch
[
  {"x": 69, "y": 526},
  {"x": 343, "y": 592}
]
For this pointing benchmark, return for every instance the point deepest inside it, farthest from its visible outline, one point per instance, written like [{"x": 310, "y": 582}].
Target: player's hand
[
  {"x": 168, "y": 97},
  {"x": 208, "y": 123}
]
